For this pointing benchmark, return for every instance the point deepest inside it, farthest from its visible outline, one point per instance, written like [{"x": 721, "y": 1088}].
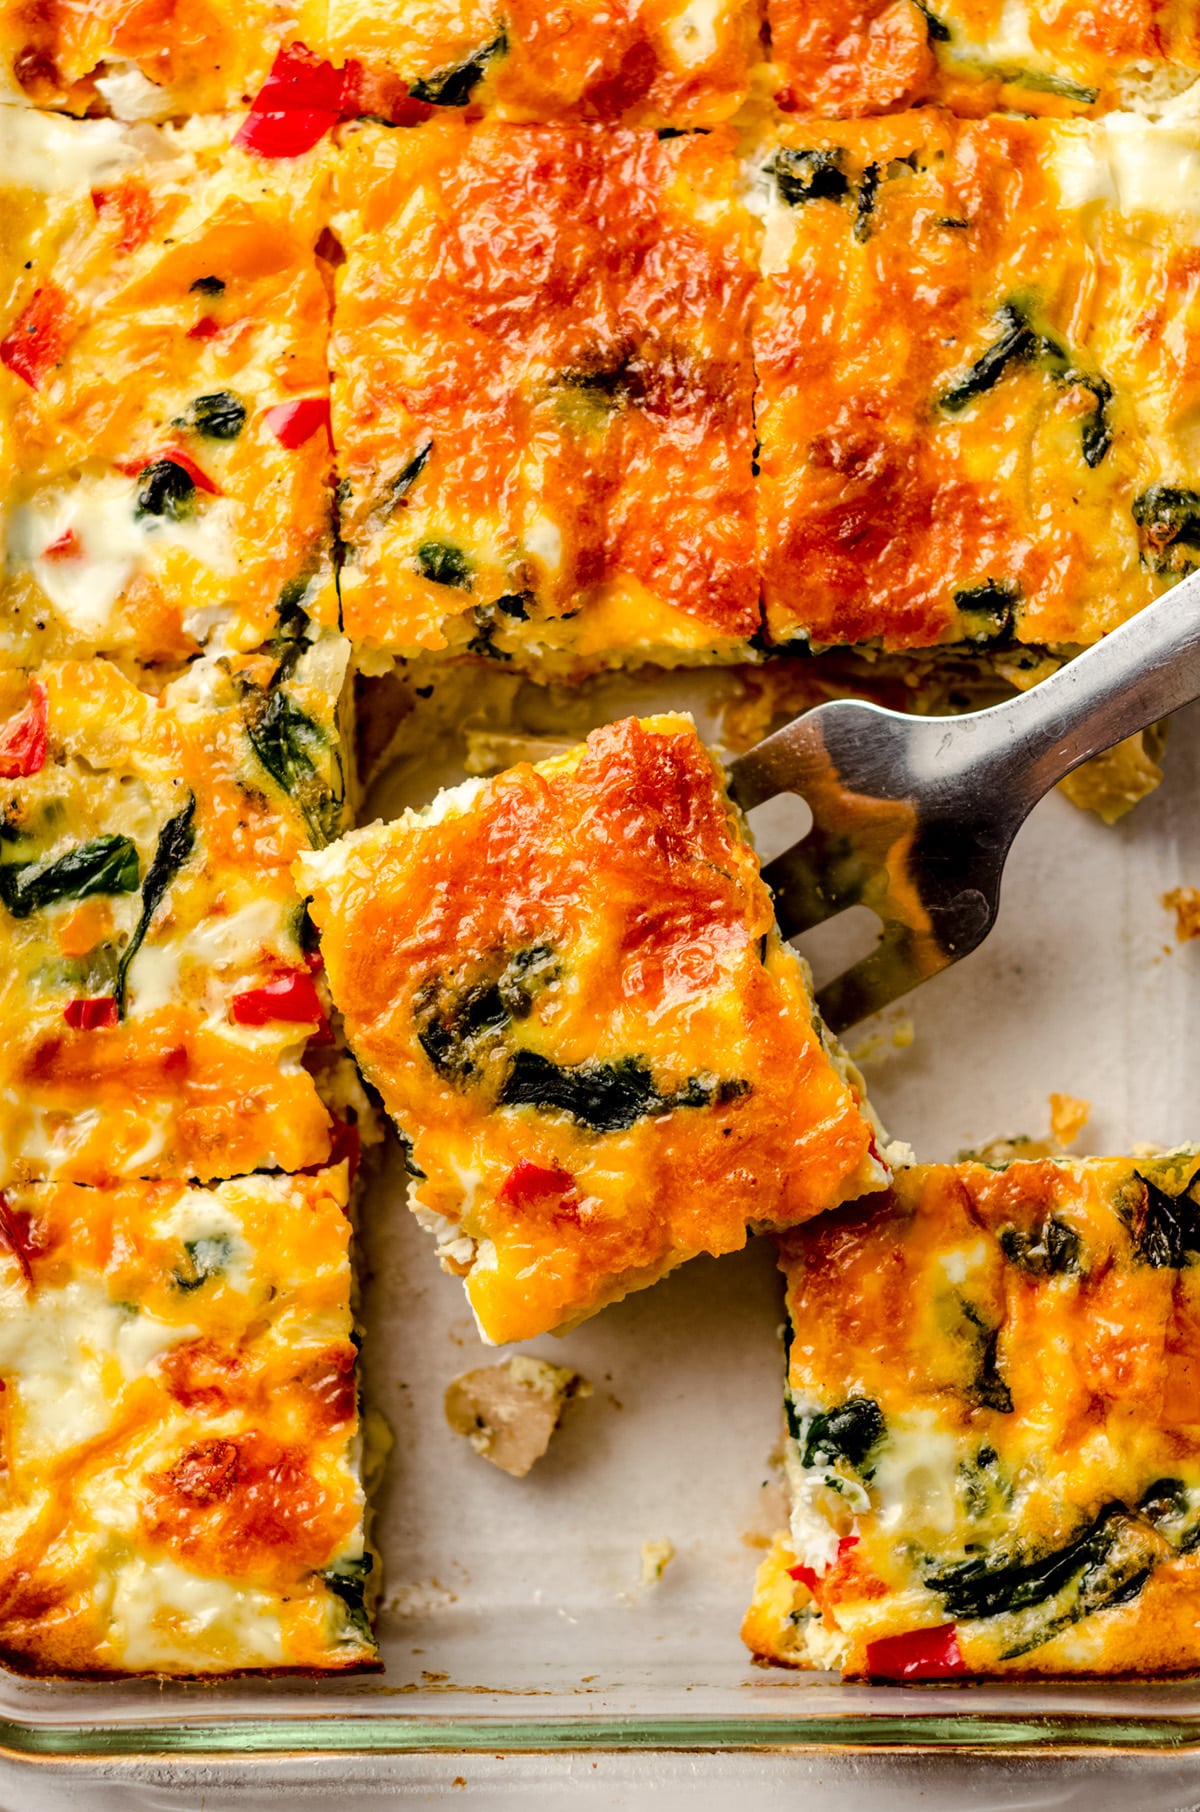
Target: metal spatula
[{"x": 914, "y": 816}]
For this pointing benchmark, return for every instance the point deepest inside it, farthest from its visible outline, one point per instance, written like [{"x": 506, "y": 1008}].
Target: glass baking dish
[{"x": 515, "y": 1618}]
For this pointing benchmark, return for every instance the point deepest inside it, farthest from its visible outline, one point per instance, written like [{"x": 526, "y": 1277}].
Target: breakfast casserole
[
  {"x": 567, "y": 985},
  {"x": 164, "y": 378},
  {"x": 157, "y": 977},
  {"x": 136, "y": 59},
  {"x": 543, "y": 394},
  {"x": 977, "y": 365},
  {"x": 846, "y": 57},
  {"x": 179, "y": 1424},
  {"x": 643, "y": 62},
  {"x": 993, "y": 1426}
]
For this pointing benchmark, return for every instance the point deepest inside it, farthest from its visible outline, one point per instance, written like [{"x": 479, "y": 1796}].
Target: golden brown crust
[
  {"x": 995, "y": 475},
  {"x": 191, "y": 1505},
  {"x": 544, "y": 419},
  {"x": 994, "y": 1426},
  {"x": 181, "y": 1076},
  {"x": 846, "y": 57},
  {"x": 572, "y": 998}
]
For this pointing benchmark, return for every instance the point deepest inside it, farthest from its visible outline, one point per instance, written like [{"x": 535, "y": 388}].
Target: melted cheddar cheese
[
  {"x": 993, "y": 1409},
  {"x": 567, "y": 985},
  {"x": 642, "y": 62},
  {"x": 977, "y": 354},
  {"x": 846, "y": 57},
  {"x": 136, "y": 59},
  {"x": 164, "y": 317},
  {"x": 543, "y": 394},
  {"x": 155, "y": 992},
  {"x": 179, "y": 1429}
]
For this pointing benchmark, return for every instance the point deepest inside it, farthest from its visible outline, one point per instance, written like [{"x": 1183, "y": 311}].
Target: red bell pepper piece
[
  {"x": 527, "y": 1182},
  {"x": 300, "y": 100},
  {"x": 133, "y": 468},
  {"x": 345, "y": 1143},
  {"x": 23, "y": 737},
  {"x": 204, "y": 329},
  {"x": 91, "y": 1015},
  {"x": 917, "y": 1655},
  {"x": 15, "y": 1231},
  {"x": 65, "y": 547},
  {"x": 382, "y": 95},
  {"x": 299, "y": 81},
  {"x": 130, "y": 202},
  {"x": 285, "y": 134},
  {"x": 806, "y": 1575},
  {"x": 294, "y": 423},
  {"x": 38, "y": 337},
  {"x": 290, "y": 996}
]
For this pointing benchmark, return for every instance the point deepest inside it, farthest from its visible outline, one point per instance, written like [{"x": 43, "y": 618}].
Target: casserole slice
[
  {"x": 567, "y": 985},
  {"x": 137, "y": 62},
  {"x": 164, "y": 385},
  {"x": 543, "y": 395},
  {"x": 993, "y": 1426},
  {"x": 845, "y": 57},
  {"x": 646, "y": 63},
  {"x": 158, "y": 992},
  {"x": 974, "y": 382},
  {"x": 180, "y": 1429}
]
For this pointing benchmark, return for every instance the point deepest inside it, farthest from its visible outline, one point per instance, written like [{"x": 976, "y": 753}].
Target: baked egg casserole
[
  {"x": 180, "y": 1429},
  {"x": 567, "y": 985},
  {"x": 992, "y": 1399},
  {"x": 158, "y": 986}
]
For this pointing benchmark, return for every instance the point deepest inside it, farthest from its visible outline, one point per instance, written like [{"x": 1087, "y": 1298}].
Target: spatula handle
[{"x": 1142, "y": 671}]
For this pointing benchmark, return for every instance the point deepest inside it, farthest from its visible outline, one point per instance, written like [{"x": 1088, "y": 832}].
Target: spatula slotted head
[{"x": 885, "y": 834}]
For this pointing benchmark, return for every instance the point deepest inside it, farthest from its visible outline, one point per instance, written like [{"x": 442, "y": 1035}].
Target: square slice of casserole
[
  {"x": 976, "y": 344},
  {"x": 846, "y": 57},
  {"x": 993, "y": 1426},
  {"x": 164, "y": 392},
  {"x": 180, "y": 1429},
  {"x": 643, "y": 63},
  {"x": 157, "y": 990},
  {"x": 543, "y": 394},
  {"x": 567, "y": 985}
]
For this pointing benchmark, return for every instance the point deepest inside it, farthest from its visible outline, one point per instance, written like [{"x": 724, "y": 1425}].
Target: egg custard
[
  {"x": 542, "y": 394},
  {"x": 164, "y": 387},
  {"x": 156, "y": 983},
  {"x": 568, "y": 987},
  {"x": 179, "y": 1426},
  {"x": 993, "y": 1426},
  {"x": 845, "y": 57},
  {"x": 976, "y": 352}
]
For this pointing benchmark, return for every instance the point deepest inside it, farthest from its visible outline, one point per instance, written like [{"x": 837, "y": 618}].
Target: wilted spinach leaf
[
  {"x": 348, "y": 1579},
  {"x": 1046, "y": 1250},
  {"x": 985, "y": 1586},
  {"x": 166, "y": 490},
  {"x": 445, "y": 564},
  {"x": 102, "y": 865},
  {"x": 174, "y": 846},
  {"x": 454, "y": 87},
  {"x": 1165, "y": 1229},
  {"x": 206, "y": 1257},
  {"x": 846, "y": 1432},
  {"x": 803, "y": 176},
  {"x": 290, "y": 745},
  {"x": 219, "y": 415}
]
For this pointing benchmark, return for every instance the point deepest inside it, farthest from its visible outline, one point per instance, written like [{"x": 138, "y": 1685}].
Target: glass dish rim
[{"x": 881, "y": 1732}]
